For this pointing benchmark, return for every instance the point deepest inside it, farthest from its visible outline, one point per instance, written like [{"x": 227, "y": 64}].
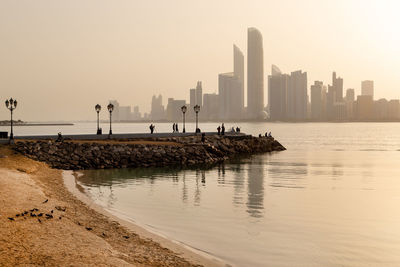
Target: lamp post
[
  {"x": 11, "y": 105},
  {"x": 197, "y": 109},
  {"x": 98, "y": 108},
  {"x": 183, "y": 108},
  {"x": 110, "y": 108}
]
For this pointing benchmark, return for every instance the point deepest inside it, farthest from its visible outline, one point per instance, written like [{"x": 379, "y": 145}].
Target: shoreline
[
  {"x": 191, "y": 254},
  {"x": 75, "y": 234}
]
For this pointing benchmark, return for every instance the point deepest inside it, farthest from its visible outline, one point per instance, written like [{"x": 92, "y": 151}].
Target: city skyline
[{"x": 101, "y": 53}]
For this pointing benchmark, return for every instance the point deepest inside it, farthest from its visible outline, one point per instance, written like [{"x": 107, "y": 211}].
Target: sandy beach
[{"x": 43, "y": 223}]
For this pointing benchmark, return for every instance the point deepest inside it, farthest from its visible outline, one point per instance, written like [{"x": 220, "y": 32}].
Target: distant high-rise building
[
  {"x": 255, "y": 74},
  {"x": 238, "y": 70},
  {"x": 367, "y": 88},
  {"x": 316, "y": 100},
  {"x": 157, "y": 109},
  {"x": 381, "y": 109},
  {"x": 337, "y": 84},
  {"x": 124, "y": 113},
  {"x": 277, "y": 94},
  {"x": 349, "y": 100},
  {"x": 115, "y": 113},
  {"x": 229, "y": 87},
  {"x": 365, "y": 107},
  {"x": 297, "y": 98},
  {"x": 174, "y": 112},
  {"x": 210, "y": 106},
  {"x": 193, "y": 97},
  {"x": 199, "y": 94},
  {"x": 136, "y": 115},
  {"x": 335, "y": 98},
  {"x": 394, "y": 109},
  {"x": 350, "y": 95}
]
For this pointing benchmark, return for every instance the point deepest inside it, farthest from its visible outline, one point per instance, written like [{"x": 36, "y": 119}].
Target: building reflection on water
[
  {"x": 255, "y": 188},
  {"x": 245, "y": 178}
]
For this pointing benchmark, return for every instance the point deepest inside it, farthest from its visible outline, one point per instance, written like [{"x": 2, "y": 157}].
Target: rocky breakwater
[{"x": 183, "y": 151}]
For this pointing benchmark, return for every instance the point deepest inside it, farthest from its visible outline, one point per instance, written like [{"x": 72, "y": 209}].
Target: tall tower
[
  {"x": 367, "y": 88},
  {"x": 238, "y": 70},
  {"x": 255, "y": 74},
  {"x": 199, "y": 94}
]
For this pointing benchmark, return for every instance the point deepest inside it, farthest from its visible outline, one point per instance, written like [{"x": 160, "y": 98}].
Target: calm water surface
[{"x": 331, "y": 199}]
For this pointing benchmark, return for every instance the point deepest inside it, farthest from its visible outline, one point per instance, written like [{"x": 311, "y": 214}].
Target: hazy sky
[{"x": 60, "y": 58}]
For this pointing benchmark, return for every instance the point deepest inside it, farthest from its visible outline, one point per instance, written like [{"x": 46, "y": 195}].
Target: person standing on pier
[
  {"x": 219, "y": 130},
  {"x": 173, "y": 127},
  {"x": 176, "y": 128},
  {"x": 223, "y": 129}
]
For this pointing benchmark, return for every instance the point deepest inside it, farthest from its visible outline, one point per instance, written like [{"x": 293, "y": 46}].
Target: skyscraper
[
  {"x": 297, "y": 98},
  {"x": 316, "y": 100},
  {"x": 199, "y": 94},
  {"x": 231, "y": 89},
  {"x": 367, "y": 88},
  {"x": 157, "y": 109},
  {"x": 238, "y": 70},
  {"x": 277, "y": 94},
  {"x": 337, "y": 84},
  {"x": 229, "y": 96},
  {"x": 255, "y": 74}
]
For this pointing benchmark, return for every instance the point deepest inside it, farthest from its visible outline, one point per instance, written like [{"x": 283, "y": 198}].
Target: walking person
[
  {"x": 173, "y": 127},
  {"x": 223, "y": 129},
  {"x": 176, "y": 128}
]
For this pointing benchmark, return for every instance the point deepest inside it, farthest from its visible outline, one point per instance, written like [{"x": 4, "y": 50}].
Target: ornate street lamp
[
  {"x": 110, "y": 108},
  {"x": 197, "y": 109},
  {"x": 11, "y": 105},
  {"x": 183, "y": 108},
  {"x": 98, "y": 108}
]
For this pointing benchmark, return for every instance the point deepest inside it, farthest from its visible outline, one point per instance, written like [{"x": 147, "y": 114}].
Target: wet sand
[{"x": 73, "y": 233}]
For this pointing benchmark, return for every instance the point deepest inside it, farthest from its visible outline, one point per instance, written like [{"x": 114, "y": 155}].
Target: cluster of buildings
[
  {"x": 288, "y": 96},
  {"x": 289, "y": 101}
]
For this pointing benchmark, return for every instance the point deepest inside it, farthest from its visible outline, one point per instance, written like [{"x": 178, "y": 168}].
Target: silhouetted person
[
  {"x": 237, "y": 129},
  {"x": 223, "y": 129},
  {"x": 176, "y": 128},
  {"x": 59, "y": 138},
  {"x": 219, "y": 130},
  {"x": 259, "y": 135},
  {"x": 203, "y": 137},
  {"x": 266, "y": 134},
  {"x": 151, "y": 128},
  {"x": 173, "y": 127}
]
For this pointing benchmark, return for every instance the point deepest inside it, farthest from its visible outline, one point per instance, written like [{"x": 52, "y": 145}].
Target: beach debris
[
  {"x": 35, "y": 209},
  {"x": 103, "y": 234},
  {"x": 79, "y": 223},
  {"x": 59, "y": 208},
  {"x": 45, "y": 201},
  {"x": 51, "y": 211},
  {"x": 11, "y": 219},
  {"x": 49, "y": 216},
  {"x": 40, "y": 215},
  {"x": 89, "y": 228},
  {"x": 33, "y": 215},
  {"x": 59, "y": 218},
  {"x": 17, "y": 215},
  {"x": 126, "y": 237},
  {"x": 39, "y": 220}
]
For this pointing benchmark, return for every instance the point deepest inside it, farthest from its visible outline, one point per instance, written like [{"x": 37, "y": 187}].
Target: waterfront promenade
[{"x": 116, "y": 136}]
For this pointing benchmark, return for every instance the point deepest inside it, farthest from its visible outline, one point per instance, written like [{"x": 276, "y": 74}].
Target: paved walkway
[{"x": 115, "y": 136}]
